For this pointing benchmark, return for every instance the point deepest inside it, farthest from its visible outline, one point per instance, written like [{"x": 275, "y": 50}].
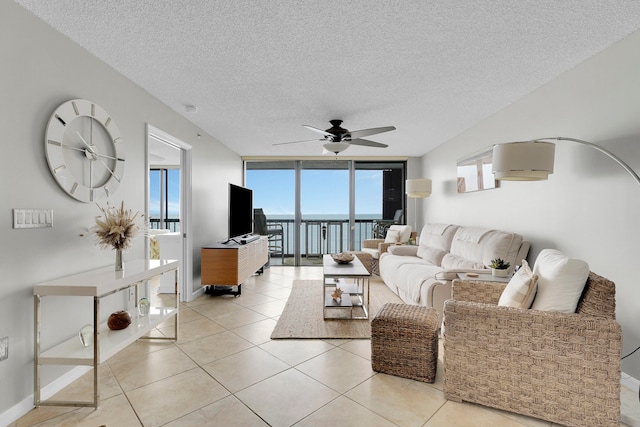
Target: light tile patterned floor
[{"x": 225, "y": 371}]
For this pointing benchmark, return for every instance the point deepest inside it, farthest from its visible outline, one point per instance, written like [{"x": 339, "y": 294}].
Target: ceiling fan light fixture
[{"x": 335, "y": 147}]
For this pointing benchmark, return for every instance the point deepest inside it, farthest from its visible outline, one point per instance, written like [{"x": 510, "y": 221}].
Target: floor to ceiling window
[
  {"x": 324, "y": 209},
  {"x": 164, "y": 198},
  {"x": 325, "y": 206}
]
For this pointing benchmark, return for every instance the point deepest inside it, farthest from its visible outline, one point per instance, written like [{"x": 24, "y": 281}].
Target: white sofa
[{"x": 422, "y": 274}]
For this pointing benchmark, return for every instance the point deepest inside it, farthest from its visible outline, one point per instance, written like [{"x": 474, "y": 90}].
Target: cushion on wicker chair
[
  {"x": 521, "y": 289},
  {"x": 392, "y": 236},
  {"x": 561, "y": 281},
  {"x": 404, "y": 233}
]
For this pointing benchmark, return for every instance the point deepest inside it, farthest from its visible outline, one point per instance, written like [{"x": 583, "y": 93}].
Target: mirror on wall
[{"x": 474, "y": 172}]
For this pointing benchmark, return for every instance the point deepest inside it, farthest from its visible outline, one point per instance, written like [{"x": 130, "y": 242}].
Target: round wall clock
[{"x": 81, "y": 144}]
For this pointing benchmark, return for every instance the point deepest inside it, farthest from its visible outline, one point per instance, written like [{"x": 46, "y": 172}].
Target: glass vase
[
  {"x": 119, "y": 264},
  {"x": 143, "y": 307}
]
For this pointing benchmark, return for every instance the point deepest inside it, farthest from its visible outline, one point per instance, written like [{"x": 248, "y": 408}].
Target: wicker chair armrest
[
  {"x": 382, "y": 247},
  {"x": 478, "y": 291},
  {"x": 372, "y": 243}
]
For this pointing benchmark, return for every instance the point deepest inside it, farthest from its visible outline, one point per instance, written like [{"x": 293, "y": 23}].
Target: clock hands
[
  {"x": 97, "y": 156},
  {"x": 84, "y": 151}
]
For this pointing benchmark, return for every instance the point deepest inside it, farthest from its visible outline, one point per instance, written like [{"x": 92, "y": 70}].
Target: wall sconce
[{"x": 533, "y": 160}]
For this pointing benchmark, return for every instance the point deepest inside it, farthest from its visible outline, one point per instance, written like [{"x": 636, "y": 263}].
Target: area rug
[{"x": 302, "y": 316}]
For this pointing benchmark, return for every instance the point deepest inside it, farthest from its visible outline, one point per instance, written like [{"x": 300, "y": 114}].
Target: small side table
[{"x": 483, "y": 277}]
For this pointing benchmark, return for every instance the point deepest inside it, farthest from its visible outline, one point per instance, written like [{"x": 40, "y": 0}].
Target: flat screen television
[{"x": 240, "y": 211}]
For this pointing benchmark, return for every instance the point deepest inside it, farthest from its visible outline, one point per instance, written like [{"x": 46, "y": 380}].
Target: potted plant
[{"x": 499, "y": 267}]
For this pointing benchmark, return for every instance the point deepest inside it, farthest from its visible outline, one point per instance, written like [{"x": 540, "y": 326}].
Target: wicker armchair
[
  {"x": 564, "y": 368},
  {"x": 376, "y": 247}
]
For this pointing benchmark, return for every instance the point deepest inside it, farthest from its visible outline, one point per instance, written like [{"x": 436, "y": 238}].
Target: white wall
[
  {"x": 589, "y": 207},
  {"x": 40, "y": 70}
]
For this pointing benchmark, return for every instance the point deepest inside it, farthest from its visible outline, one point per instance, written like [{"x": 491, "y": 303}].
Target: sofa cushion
[
  {"x": 454, "y": 262},
  {"x": 375, "y": 253},
  {"x": 432, "y": 255},
  {"x": 561, "y": 281},
  {"x": 481, "y": 245},
  {"x": 521, "y": 289},
  {"x": 403, "y": 250},
  {"x": 437, "y": 236}
]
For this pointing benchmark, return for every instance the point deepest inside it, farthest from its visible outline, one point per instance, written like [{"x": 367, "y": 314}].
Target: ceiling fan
[{"x": 338, "y": 139}]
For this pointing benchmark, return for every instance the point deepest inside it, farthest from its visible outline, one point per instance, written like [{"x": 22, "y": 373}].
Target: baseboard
[
  {"x": 627, "y": 416},
  {"x": 20, "y": 409},
  {"x": 629, "y": 382}
]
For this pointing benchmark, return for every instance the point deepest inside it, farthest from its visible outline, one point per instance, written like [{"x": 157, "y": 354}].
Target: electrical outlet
[{"x": 4, "y": 348}]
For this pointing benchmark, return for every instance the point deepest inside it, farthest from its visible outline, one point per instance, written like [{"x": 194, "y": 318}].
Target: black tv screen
[{"x": 240, "y": 211}]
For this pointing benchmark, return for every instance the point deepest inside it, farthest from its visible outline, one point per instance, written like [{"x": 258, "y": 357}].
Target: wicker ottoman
[{"x": 404, "y": 341}]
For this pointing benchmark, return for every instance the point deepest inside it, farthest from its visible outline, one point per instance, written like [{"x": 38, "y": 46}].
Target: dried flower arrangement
[{"x": 118, "y": 228}]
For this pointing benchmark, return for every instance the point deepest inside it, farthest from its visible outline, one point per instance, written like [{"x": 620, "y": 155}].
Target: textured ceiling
[{"x": 258, "y": 70}]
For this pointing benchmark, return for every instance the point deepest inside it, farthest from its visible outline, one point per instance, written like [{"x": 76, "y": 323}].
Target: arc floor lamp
[
  {"x": 417, "y": 189},
  {"x": 533, "y": 160}
]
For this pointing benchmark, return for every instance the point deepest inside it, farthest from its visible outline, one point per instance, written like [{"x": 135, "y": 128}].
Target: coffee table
[{"x": 353, "y": 279}]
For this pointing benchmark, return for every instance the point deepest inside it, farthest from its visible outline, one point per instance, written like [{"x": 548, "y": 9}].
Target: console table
[
  {"x": 230, "y": 264},
  {"x": 99, "y": 284}
]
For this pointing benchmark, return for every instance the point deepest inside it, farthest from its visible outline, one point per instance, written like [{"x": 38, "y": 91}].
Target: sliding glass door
[
  {"x": 324, "y": 209},
  {"x": 273, "y": 185},
  {"x": 326, "y": 206}
]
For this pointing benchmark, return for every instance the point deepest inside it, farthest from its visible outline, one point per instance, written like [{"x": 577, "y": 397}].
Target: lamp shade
[
  {"x": 335, "y": 147},
  {"x": 523, "y": 161},
  {"x": 418, "y": 188}
]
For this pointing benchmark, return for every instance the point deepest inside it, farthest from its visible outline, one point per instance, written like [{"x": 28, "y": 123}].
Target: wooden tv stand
[{"x": 224, "y": 266}]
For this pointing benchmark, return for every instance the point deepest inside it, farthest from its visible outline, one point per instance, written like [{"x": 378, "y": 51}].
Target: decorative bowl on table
[{"x": 342, "y": 257}]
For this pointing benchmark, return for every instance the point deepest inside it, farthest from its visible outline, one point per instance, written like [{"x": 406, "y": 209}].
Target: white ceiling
[{"x": 258, "y": 70}]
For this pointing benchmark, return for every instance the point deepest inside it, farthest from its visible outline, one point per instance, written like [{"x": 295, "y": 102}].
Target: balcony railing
[
  {"x": 320, "y": 236},
  {"x": 172, "y": 224},
  {"x": 317, "y": 237}
]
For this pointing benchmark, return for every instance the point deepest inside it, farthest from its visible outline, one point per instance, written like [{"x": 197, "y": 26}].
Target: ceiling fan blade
[
  {"x": 367, "y": 132},
  {"x": 367, "y": 143},
  {"x": 296, "y": 142},
  {"x": 320, "y": 131}
]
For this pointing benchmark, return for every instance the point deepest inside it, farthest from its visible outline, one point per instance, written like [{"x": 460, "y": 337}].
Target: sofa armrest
[
  {"x": 477, "y": 291},
  {"x": 402, "y": 250},
  {"x": 372, "y": 243},
  {"x": 541, "y": 364}
]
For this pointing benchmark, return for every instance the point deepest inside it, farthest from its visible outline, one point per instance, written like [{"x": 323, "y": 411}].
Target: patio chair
[
  {"x": 381, "y": 226},
  {"x": 274, "y": 231}
]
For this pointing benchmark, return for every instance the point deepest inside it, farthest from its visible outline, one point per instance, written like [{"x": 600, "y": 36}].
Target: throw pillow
[
  {"x": 404, "y": 232},
  {"x": 392, "y": 236},
  {"x": 521, "y": 289},
  {"x": 561, "y": 281},
  {"x": 432, "y": 255}
]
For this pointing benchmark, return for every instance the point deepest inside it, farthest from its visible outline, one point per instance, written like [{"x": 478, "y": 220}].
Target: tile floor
[{"x": 225, "y": 371}]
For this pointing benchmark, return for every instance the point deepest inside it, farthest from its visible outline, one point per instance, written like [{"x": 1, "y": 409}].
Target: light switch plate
[
  {"x": 32, "y": 218},
  {"x": 4, "y": 348}
]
